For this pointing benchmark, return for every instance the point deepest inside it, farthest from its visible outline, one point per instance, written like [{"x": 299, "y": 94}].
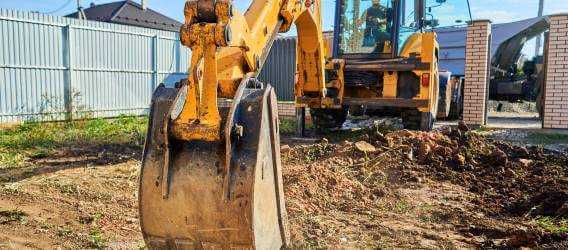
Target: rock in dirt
[
  {"x": 460, "y": 159},
  {"x": 522, "y": 237},
  {"x": 463, "y": 127},
  {"x": 365, "y": 147},
  {"x": 526, "y": 162},
  {"x": 499, "y": 157},
  {"x": 409, "y": 155},
  {"x": 522, "y": 152},
  {"x": 285, "y": 149},
  {"x": 510, "y": 173},
  {"x": 516, "y": 183},
  {"x": 424, "y": 150}
]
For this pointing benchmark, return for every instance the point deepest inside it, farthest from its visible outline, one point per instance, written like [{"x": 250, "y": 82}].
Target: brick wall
[
  {"x": 556, "y": 90},
  {"x": 476, "y": 72},
  {"x": 286, "y": 109}
]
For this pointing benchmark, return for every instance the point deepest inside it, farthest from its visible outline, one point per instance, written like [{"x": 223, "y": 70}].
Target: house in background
[{"x": 128, "y": 13}]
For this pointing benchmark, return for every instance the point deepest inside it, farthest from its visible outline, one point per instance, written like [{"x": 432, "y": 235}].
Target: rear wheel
[
  {"x": 328, "y": 118},
  {"x": 416, "y": 120},
  {"x": 457, "y": 102},
  {"x": 357, "y": 110},
  {"x": 426, "y": 121}
]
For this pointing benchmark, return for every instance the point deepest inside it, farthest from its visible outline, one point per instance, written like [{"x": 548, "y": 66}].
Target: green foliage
[
  {"x": 553, "y": 225},
  {"x": 288, "y": 126},
  {"x": 63, "y": 187},
  {"x": 38, "y": 140},
  {"x": 12, "y": 215},
  {"x": 97, "y": 239},
  {"x": 402, "y": 207},
  {"x": 318, "y": 151}
]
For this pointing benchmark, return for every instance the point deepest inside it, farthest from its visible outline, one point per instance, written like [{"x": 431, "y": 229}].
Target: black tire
[
  {"x": 457, "y": 103},
  {"x": 411, "y": 119},
  {"x": 357, "y": 110},
  {"x": 444, "y": 95},
  {"x": 416, "y": 120},
  {"x": 328, "y": 118},
  {"x": 426, "y": 121}
]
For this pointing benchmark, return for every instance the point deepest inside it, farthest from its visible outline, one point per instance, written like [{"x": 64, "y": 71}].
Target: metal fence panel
[
  {"x": 280, "y": 68},
  {"x": 52, "y": 66}
]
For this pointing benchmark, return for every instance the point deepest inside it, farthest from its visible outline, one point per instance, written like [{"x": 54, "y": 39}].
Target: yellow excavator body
[
  {"x": 211, "y": 176},
  {"x": 383, "y": 59}
]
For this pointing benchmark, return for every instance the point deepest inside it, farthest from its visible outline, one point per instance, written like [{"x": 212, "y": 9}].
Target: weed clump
[{"x": 8, "y": 216}]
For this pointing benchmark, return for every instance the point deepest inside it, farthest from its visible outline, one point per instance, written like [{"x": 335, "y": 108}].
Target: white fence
[{"x": 54, "y": 67}]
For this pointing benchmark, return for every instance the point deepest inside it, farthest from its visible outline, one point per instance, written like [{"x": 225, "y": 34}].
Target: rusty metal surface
[
  {"x": 210, "y": 203},
  {"x": 206, "y": 11}
]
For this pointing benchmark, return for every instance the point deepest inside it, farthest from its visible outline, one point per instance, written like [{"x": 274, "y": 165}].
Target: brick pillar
[
  {"x": 556, "y": 86},
  {"x": 476, "y": 72}
]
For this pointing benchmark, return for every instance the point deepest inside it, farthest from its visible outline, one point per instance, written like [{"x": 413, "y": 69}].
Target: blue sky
[{"x": 498, "y": 11}]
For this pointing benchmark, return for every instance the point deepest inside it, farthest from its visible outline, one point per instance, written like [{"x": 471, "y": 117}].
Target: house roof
[{"x": 129, "y": 13}]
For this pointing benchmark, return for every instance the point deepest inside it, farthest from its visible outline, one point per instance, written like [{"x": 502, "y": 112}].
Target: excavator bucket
[{"x": 215, "y": 195}]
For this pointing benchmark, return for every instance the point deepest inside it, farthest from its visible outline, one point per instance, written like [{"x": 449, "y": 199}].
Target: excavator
[
  {"x": 383, "y": 62},
  {"x": 211, "y": 176}
]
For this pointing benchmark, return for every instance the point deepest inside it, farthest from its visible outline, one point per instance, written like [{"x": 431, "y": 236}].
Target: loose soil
[{"x": 448, "y": 189}]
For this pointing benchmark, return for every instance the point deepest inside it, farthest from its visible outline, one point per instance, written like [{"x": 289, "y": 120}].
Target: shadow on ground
[{"x": 73, "y": 157}]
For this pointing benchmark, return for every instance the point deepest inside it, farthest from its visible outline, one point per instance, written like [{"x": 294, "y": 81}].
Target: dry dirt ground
[
  {"x": 82, "y": 198},
  {"x": 376, "y": 189}
]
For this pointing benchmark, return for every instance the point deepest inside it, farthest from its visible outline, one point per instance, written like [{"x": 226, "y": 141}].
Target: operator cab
[{"x": 378, "y": 29}]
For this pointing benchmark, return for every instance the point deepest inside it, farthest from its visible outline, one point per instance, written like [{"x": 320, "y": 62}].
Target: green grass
[
  {"x": 35, "y": 140},
  {"x": 288, "y": 126},
  {"x": 548, "y": 138},
  {"x": 402, "y": 207},
  {"x": 7, "y": 216},
  {"x": 97, "y": 239},
  {"x": 553, "y": 225},
  {"x": 38, "y": 140}
]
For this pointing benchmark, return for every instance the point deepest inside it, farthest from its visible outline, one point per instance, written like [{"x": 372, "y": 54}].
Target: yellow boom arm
[
  {"x": 204, "y": 185},
  {"x": 228, "y": 46}
]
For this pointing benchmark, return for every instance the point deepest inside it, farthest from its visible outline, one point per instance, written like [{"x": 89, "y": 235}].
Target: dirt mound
[{"x": 331, "y": 186}]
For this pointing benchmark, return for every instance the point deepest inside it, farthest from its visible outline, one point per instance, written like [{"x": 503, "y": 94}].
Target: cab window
[{"x": 366, "y": 26}]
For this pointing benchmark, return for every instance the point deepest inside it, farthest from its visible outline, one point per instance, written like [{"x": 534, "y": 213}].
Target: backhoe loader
[
  {"x": 383, "y": 62},
  {"x": 211, "y": 176}
]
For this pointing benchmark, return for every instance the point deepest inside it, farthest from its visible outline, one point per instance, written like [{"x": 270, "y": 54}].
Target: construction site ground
[{"x": 74, "y": 185}]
